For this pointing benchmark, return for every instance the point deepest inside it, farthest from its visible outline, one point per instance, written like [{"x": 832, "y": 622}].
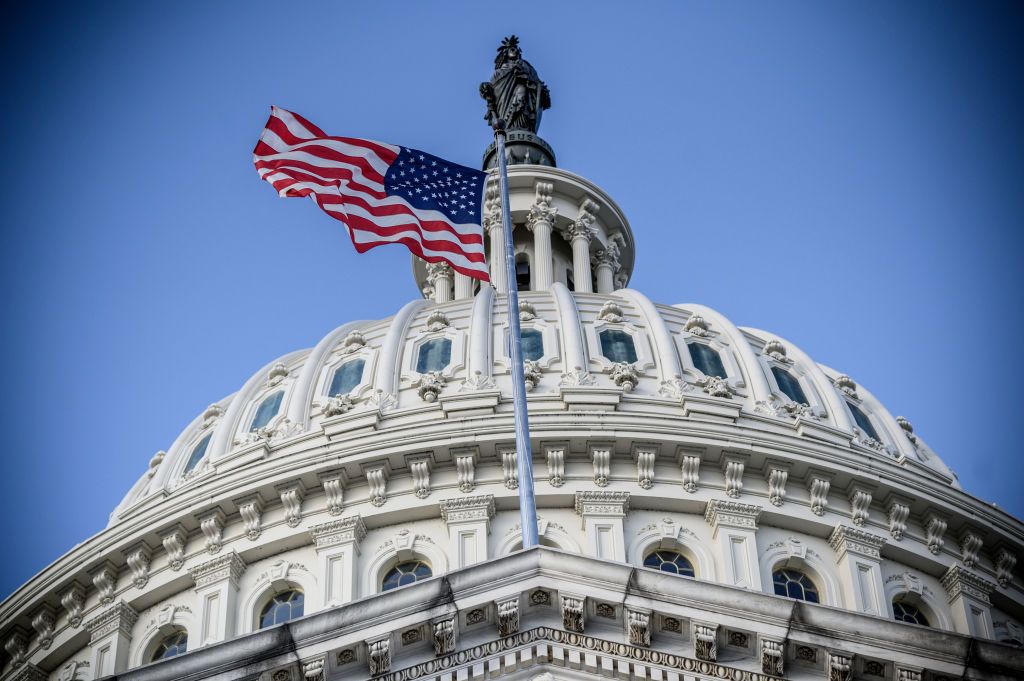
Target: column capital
[
  {"x": 721, "y": 513},
  {"x": 119, "y": 617},
  {"x": 845, "y": 539},
  {"x": 541, "y": 213},
  {"x": 341, "y": 531},
  {"x": 960, "y": 582},
  {"x": 467, "y": 509},
  {"x": 229, "y": 567},
  {"x": 438, "y": 269},
  {"x": 600, "y": 502}
]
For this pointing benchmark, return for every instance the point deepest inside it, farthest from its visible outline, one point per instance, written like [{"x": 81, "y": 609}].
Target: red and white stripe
[{"x": 345, "y": 176}]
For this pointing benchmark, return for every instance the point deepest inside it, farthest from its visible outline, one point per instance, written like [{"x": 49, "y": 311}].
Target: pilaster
[
  {"x": 217, "y": 591},
  {"x": 469, "y": 523},
  {"x": 969, "y": 601},
  {"x": 337, "y": 547},
  {"x": 859, "y": 555},
  {"x": 110, "y": 635},
  {"x": 735, "y": 530},
  {"x": 603, "y": 513}
]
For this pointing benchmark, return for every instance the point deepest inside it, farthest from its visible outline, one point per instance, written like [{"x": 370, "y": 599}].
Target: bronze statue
[{"x": 515, "y": 95}]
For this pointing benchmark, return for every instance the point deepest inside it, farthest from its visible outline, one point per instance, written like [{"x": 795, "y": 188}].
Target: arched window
[
  {"x": 283, "y": 607},
  {"x": 670, "y": 561},
  {"x": 789, "y": 385},
  {"x": 533, "y": 344},
  {"x": 405, "y": 573},
  {"x": 522, "y": 272},
  {"x": 863, "y": 422},
  {"x": 198, "y": 452},
  {"x": 434, "y": 355},
  {"x": 172, "y": 645},
  {"x": 795, "y": 584},
  {"x": 706, "y": 359},
  {"x": 346, "y": 378},
  {"x": 266, "y": 411},
  {"x": 905, "y": 611},
  {"x": 618, "y": 346}
]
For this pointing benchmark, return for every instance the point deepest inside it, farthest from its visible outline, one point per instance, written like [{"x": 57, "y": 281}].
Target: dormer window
[
  {"x": 706, "y": 359},
  {"x": 618, "y": 346},
  {"x": 198, "y": 452},
  {"x": 346, "y": 378},
  {"x": 266, "y": 411},
  {"x": 789, "y": 385},
  {"x": 434, "y": 355},
  {"x": 863, "y": 422}
]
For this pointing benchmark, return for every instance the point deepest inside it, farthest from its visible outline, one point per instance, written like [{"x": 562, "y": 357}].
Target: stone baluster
[{"x": 540, "y": 221}]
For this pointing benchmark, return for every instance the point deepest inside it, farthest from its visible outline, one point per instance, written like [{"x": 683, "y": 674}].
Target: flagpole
[{"x": 524, "y": 455}]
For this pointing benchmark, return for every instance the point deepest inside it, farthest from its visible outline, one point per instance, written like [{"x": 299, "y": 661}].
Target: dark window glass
[
  {"x": 908, "y": 612},
  {"x": 406, "y": 573},
  {"x": 789, "y": 385},
  {"x": 434, "y": 355},
  {"x": 706, "y": 359},
  {"x": 670, "y": 561},
  {"x": 533, "y": 344},
  {"x": 863, "y": 422},
  {"x": 171, "y": 646},
  {"x": 266, "y": 411},
  {"x": 618, "y": 346},
  {"x": 285, "y": 606},
  {"x": 523, "y": 274},
  {"x": 569, "y": 283},
  {"x": 347, "y": 377},
  {"x": 795, "y": 584},
  {"x": 198, "y": 452}
]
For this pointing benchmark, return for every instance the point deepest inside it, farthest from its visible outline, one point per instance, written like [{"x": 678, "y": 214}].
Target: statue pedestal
[{"x": 522, "y": 147}]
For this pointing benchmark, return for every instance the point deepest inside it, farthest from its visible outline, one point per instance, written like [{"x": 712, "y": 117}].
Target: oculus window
[
  {"x": 434, "y": 355},
  {"x": 706, "y": 359},
  {"x": 266, "y": 411},
  {"x": 795, "y": 584},
  {"x": 198, "y": 452},
  {"x": 670, "y": 561},
  {"x": 863, "y": 422},
  {"x": 789, "y": 385},
  {"x": 283, "y": 607},
  {"x": 346, "y": 378},
  {"x": 618, "y": 346},
  {"x": 406, "y": 573},
  {"x": 171, "y": 645}
]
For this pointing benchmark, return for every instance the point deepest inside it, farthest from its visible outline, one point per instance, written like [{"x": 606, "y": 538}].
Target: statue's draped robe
[{"x": 517, "y": 92}]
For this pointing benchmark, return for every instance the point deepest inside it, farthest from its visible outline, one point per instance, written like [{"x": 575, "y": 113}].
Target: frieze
[
  {"x": 467, "y": 509},
  {"x": 601, "y": 502}
]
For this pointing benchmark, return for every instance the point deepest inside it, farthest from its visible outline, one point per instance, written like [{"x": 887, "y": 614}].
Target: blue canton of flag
[{"x": 431, "y": 183}]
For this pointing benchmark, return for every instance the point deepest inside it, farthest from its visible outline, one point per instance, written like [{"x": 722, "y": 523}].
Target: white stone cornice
[
  {"x": 229, "y": 567},
  {"x": 119, "y": 617},
  {"x": 721, "y": 513},
  {"x": 846, "y": 539},
  {"x": 960, "y": 582},
  {"x": 463, "y": 509},
  {"x": 339, "y": 531},
  {"x": 601, "y": 502}
]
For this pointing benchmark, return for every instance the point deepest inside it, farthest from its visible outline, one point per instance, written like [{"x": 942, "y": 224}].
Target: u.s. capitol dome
[{"x": 712, "y": 503}]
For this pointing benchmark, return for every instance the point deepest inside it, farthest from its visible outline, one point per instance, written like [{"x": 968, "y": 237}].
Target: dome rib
[
  {"x": 571, "y": 330},
  {"x": 389, "y": 373},
  {"x": 302, "y": 393},
  {"x": 481, "y": 329}
]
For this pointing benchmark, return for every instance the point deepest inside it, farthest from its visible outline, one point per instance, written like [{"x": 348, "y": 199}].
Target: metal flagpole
[{"x": 524, "y": 455}]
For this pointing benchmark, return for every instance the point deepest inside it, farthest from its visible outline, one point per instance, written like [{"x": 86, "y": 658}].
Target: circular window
[
  {"x": 171, "y": 645},
  {"x": 908, "y": 612},
  {"x": 795, "y": 584},
  {"x": 670, "y": 561},
  {"x": 285, "y": 606},
  {"x": 406, "y": 573}
]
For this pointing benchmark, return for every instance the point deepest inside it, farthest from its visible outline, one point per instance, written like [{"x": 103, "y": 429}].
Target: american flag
[{"x": 382, "y": 193}]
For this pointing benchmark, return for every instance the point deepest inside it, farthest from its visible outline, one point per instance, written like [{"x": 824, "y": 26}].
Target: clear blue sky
[{"x": 846, "y": 174}]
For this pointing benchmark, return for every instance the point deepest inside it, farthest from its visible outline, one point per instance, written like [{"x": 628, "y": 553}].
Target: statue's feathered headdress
[{"x": 506, "y": 44}]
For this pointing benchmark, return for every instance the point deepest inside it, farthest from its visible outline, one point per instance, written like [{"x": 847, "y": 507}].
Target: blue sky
[{"x": 845, "y": 174}]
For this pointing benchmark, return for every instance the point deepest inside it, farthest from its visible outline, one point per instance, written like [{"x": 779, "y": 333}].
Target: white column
[
  {"x": 337, "y": 547},
  {"x": 439, "y": 276},
  {"x": 463, "y": 287},
  {"x": 217, "y": 591},
  {"x": 603, "y": 514},
  {"x": 969, "y": 601},
  {"x": 579, "y": 234},
  {"x": 604, "y": 267},
  {"x": 110, "y": 635},
  {"x": 540, "y": 221},
  {"x": 735, "y": 530},
  {"x": 469, "y": 523},
  {"x": 496, "y": 231},
  {"x": 859, "y": 555}
]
